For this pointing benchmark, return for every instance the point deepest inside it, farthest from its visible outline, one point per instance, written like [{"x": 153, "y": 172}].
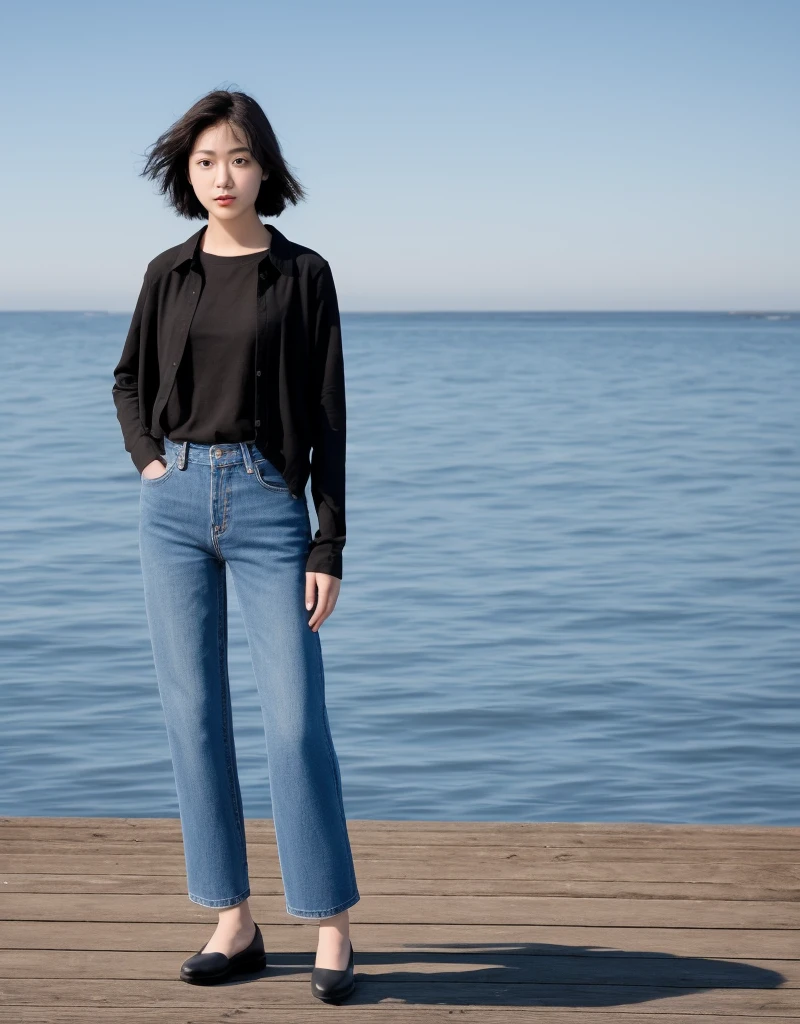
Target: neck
[{"x": 232, "y": 237}]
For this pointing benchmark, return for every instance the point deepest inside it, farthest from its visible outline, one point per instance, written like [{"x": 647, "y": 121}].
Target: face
[{"x": 221, "y": 163}]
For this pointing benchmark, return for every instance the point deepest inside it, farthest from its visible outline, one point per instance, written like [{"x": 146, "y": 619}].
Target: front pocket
[
  {"x": 268, "y": 476},
  {"x": 149, "y": 481}
]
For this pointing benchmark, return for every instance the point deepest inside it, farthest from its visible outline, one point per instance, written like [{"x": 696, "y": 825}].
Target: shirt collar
[{"x": 278, "y": 253}]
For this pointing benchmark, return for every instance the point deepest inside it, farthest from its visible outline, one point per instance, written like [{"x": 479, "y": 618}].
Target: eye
[{"x": 242, "y": 158}]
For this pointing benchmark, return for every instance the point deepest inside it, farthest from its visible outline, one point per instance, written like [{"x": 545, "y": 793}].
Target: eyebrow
[{"x": 240, "y": 149}]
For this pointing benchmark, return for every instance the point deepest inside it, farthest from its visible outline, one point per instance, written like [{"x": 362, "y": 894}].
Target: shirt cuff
[
  {"x": 144, "y": 451},
  {"x": 322, "y": 560}
]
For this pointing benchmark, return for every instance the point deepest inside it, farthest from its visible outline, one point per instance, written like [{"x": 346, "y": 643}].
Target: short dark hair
[{"x": 168, "y": 161}]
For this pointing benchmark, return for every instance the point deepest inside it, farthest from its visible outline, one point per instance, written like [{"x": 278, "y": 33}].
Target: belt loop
[
  {"x": 246, "y": 455},
  {"x": 183, "y": 455}
]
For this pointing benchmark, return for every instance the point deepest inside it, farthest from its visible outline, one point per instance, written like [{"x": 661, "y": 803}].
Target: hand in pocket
[{"x": 151, "y": 472}]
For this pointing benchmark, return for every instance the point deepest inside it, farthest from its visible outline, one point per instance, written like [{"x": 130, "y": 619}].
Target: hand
[
  {"x": 328, "y": 587},
  {"x": 150, "y": 467}
]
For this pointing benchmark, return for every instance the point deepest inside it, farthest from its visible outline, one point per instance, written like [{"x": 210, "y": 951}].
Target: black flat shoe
[
  {"x": 209, "y": 968},
  {"x": 332, "y": 986}
]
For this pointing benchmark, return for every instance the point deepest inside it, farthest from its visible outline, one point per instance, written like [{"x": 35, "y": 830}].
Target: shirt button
[
  {"x": 174, "y": 364},
  {"x": 258, "y": 423},
  {"x": 258, "y": 373}
]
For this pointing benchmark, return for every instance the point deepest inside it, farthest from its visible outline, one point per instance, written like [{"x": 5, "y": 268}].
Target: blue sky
[{"x": 457, "y": 155}]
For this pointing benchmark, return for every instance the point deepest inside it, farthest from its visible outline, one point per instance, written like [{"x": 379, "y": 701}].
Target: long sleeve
[
  {"x": 328, "y": 430},
  {"x": 141, "y": 446}
]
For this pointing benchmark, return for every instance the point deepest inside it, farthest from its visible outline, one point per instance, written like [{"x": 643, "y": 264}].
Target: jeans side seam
[{"x": 331, "y": 758}]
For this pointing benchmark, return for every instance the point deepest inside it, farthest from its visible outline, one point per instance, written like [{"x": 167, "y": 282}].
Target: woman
[{"x": 231, "y": 373}]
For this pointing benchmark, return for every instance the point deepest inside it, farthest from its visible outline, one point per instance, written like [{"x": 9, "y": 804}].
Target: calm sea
[{"x": 571, "y": 587}]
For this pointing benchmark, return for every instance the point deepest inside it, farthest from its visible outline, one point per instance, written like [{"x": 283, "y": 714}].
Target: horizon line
[{"x": 450, "y": 312}]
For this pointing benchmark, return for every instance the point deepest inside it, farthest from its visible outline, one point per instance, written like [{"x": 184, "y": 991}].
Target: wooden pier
[{"x": 482, "y": 922}]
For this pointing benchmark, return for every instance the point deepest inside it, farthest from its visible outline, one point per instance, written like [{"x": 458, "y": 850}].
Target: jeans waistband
[{"x": 226, "y": 453}]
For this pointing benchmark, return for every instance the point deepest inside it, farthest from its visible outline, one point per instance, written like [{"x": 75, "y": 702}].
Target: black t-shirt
[{"x": 213, "y": 398}]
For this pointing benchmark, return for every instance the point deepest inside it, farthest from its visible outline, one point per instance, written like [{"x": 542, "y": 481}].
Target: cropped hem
[
  {"x": 323, "y": 913},
  {"x": 221, "y": 903}
]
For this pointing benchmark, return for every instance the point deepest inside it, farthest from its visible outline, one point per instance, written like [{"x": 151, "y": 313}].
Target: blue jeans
[{"x": 224, "y": 504}]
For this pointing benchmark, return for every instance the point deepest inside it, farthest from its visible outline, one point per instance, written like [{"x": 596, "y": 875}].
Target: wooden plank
[
  {"x": 534, "y": 940},
  {"x": 577, "y": 834},
  {"x": 470, "y": 910},
  {"x": 292, "y": 935},
  {"x": 497, "y": 967},
  {"x": 66, "y": 857},
  {"x": 779, "y": 884},
  {"x": 386, "y": 1012},
  {"x": 263, "y": 990}
]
